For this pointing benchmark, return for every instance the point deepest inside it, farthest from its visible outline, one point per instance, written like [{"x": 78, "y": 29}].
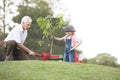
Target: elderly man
[{"x": 13, "y": 43}]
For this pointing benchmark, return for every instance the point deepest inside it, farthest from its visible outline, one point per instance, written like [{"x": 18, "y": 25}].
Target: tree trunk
[
  {"x": 4, "y": 16},
  {"x": 51, "y": 48}
]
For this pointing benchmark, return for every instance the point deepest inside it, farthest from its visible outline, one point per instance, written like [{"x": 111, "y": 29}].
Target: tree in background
[
  {"x": 6, "y": 10},
  {"x": 104, "y": 59}
]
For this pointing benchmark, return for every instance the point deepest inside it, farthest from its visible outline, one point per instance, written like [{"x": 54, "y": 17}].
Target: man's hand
[
  {"x": 39, "y": 55},
  {"x": 32, "y": 53}
]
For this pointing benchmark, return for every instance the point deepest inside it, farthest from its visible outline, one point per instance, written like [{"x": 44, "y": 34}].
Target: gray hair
[{"x": 26, "y": 19}]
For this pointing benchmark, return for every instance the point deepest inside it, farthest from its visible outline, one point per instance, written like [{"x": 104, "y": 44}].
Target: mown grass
[{"x": 54, "y": 70}]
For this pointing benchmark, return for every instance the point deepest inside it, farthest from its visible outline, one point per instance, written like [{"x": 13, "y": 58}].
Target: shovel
[{"x": 44, "y": 56}]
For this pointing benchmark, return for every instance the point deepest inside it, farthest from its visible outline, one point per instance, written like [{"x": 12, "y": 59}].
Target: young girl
[{"x": 71, "y": 42}]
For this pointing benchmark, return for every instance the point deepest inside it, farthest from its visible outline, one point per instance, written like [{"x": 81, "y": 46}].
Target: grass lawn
[{"x": 54, "y": 70}]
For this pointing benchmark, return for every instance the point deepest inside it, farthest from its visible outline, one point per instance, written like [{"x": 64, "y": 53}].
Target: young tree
[{"x": 48, "y": 25}]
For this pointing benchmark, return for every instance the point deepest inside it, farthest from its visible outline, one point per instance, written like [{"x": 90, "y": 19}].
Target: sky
[{"x": 97, "y": 24}]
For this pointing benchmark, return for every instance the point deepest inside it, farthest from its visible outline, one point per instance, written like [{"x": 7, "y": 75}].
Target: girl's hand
[
  {"x": 71, "y": 49},
  {"x": 52, "y": 37}
]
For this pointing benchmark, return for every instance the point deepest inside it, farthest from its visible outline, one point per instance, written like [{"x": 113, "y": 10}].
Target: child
[{"x": 71, "y": 42}]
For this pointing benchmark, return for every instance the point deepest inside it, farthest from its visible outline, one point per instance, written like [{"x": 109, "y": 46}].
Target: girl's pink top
[{"x": 74, "y": 40}]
